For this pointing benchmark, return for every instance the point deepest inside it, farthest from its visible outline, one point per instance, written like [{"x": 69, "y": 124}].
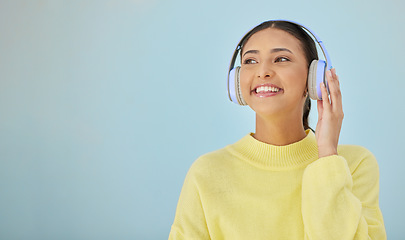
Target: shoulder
[
  {"x": 212, "y": 161},
  {"x": 214, "y": 169},
  {"x": 358, "y": 156},
  {"x": 354, "y": 151}
]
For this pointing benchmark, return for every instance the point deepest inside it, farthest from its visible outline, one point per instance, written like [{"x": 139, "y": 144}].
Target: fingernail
[{"x": 329, "y": 73}]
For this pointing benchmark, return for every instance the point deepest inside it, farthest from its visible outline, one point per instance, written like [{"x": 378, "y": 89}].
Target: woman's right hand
[{"x": 330, "y": 116}]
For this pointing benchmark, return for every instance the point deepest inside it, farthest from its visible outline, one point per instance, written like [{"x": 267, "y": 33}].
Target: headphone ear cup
[
  {"x": 316, "y": 75},
  {"x": 312, "y": 80},
  {"x": 234, "y": 90}
]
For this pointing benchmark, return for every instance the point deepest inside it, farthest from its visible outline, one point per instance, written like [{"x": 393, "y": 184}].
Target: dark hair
[{"x": 307, "y": 44}]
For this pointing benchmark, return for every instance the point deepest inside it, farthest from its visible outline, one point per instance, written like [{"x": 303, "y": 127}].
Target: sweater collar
[{"x": 273, "y": 157}]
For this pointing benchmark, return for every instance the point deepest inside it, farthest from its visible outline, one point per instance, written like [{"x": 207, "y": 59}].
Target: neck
[{"x": 279, "y": 131}]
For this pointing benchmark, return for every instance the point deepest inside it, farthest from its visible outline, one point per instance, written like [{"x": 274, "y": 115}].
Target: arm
[
  {"x": 338, "y": 204},
  {"x": 189, "y": 222}
]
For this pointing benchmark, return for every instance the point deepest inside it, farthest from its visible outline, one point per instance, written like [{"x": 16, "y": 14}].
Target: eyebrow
[{"x": 274, "y": 50}]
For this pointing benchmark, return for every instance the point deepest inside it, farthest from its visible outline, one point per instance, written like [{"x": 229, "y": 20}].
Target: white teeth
[{"x": 267, "y": 89}]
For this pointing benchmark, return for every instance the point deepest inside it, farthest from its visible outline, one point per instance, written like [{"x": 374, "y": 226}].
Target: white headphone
[{"x": 316, "y": 72}]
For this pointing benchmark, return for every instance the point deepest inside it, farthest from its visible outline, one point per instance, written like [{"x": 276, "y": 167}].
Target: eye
[
  {"x": 282, "y": 59},
  {"x": 249, "y": 61}
]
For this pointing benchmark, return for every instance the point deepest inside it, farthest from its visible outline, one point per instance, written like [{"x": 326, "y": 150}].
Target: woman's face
[{"x": 274, "y": 73}]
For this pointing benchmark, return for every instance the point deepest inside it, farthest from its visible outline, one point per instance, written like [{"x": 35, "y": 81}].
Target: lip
[{"x": 266, "y": 94}]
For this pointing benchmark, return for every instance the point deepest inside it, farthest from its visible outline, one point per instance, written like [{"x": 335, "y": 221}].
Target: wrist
[{"x": 325, "y": 152}]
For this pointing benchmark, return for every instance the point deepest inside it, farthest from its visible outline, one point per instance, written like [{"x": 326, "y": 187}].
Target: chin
[{"x": 268, "y": 110}]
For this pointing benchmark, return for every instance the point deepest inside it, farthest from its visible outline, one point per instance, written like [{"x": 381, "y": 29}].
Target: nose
[{"x": 265, "y": 71}]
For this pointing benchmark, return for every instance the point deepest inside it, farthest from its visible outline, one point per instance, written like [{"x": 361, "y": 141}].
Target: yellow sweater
[{"x": 251, "y": 190}]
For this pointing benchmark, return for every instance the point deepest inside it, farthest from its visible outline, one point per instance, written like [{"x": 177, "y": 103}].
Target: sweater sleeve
[
  {"x": 189, "y": 222},
  {"x": 340, "y": 204}
]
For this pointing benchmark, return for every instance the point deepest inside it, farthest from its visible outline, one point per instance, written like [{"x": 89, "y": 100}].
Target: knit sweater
[{"x": 252, "y": 190}]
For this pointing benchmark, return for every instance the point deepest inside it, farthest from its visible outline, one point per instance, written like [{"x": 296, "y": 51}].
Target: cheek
[{"x": 300, "y": 77}]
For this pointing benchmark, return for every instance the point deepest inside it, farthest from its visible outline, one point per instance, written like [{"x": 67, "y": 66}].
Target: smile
[
  {"x": 263, "y": 89},
  {"x": 266, "y": 90}
]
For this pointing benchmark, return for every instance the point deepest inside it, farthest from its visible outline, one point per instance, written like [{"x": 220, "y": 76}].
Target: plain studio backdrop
[{"x": 104, "y": 105}]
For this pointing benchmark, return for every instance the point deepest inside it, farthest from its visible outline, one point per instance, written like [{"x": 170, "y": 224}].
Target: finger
[
  {"x": 335, "y": 93},
  {"x": 333, "y": 71},
  {"x": 320, "y": 109},
  {"x": 325, "y": 97},
  {"x": 337, "y": 80},
  {"x": 335, "y": 76}
]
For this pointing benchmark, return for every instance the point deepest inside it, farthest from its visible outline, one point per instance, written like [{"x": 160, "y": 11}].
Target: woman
[{"x": 283, "y": 181}]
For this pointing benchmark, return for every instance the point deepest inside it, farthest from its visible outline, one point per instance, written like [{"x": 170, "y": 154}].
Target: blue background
[{"x": 104, "y": 105}]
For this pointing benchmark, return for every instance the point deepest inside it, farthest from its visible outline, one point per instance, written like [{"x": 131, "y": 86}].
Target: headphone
[{"x": 316, "y": 72}]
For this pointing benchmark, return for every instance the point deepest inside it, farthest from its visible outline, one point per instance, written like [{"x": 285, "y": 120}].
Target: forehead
[{"x": 272, "y": 38}]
